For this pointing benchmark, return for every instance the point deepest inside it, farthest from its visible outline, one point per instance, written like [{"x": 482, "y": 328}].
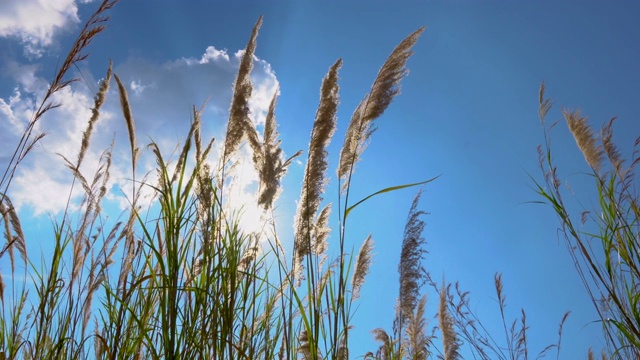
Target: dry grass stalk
[
  {"x": 182, "y": 158},
  {"x": 363, "y": 263},
  {"x": 384, "y": 89},
  {"x": 610, "y": 148},
  {"x": 412, "y": 273},
  {"x": 584, "y": 138},
  {"x": 92, "y": 27},
  {"x": 543, "y": 108},
  {"x": 343, "y": 350},
  {"x": 321, "y": 231},
  {"x": 450, "y": 342},
  {"x": 381, "y": 336},
  {"x": 128, "y": 117},
  {"x": 95, "y": 114},
  {"x": 239, "y": 121},
  {"x": 314, "y": 175},
  {"x": 12, "y": 231},
  {"x": 417, "y": 340},
  {"x": 95, "y": 192},
  {"x": 94, "y": 284},
  {"x": 268, "y": 159},
  {"x": 129, "y": 252},
  {"x": 545, "y": 104},
  {"x": 305, "y": 347}
]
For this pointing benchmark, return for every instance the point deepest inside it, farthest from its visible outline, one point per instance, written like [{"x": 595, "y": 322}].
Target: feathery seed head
[
  {"x": 545, "y": 104},
  {"x": 412, "y": 273},
  {"x": 584, "y": 138},
  {"x": 363, "y": 263},
  {"x": 95, "y": 113},
  {"x": 268, "y": 159},
  {"x": 610, "y": 149},
  {"x": 128, "y": 117},
  {"x": 450, "y": 342},
  {"x": 314, "y": 175},
  {"x": 321, "y": 231},
  {"x": 416, "y": 333},
  {"x": 240, "y": 124},
  {"x": 384, "y": 89}
]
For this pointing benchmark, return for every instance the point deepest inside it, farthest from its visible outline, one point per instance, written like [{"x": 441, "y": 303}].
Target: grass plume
[
  {"x": 385, "y": 87},
  {"x": 239, "y": 120},
  {"x": 605, "y": 258},
  {"x": 585, "y": 138},
  {"x": 412, "y": 273},
  {"x": 314, "y": 181},
  {"x": 269, "y": 159},
  {"x": 363, "y": 263},
  {"x": 450, "y": 343}
]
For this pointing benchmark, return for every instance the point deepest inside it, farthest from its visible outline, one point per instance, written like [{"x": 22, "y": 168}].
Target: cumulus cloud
[
  {"x": 161, "y": 98},
  {"x": 35, "y": 22}
]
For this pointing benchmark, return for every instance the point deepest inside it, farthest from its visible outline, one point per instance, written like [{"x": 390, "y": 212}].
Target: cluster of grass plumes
[
  {"x": 462, "y": 328},
  {"x": 458, "y": 328},
  {"x": 181, "y": 279},
  {"x": 603, "y": 241}
]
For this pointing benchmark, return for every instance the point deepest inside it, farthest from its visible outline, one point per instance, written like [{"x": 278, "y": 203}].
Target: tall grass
[
  {"x": 602, "y": 241},
  {"x": 190, "y": 283},
  {"x": 181, "y": 279}
]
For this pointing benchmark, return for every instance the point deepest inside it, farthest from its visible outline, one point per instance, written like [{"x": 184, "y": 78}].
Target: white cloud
[
  {"x": 164, "y": 96},
  {"x": 213, "y": 54},
  {"x": 137, "y": 87},
  {"x": 35, "y": 22}
]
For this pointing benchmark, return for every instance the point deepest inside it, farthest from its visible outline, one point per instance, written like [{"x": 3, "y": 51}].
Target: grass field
[{"x": 181, "y": 278}]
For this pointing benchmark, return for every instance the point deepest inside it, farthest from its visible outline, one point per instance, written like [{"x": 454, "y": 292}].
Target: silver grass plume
[
  {"x": 128, "y": 117},
  {"x": 321, "y": 231},
  {"x": 186, "y": 147},
  {"x": 94, "y": 26},
  {"x": 92, "y": 199},
  {"x": 416, "y": 333},
  {"x": 95, "y": 113},
  {"x": 450, "y": 342},
  {"x": 610, "y": 149},
  {"x": 343, "y": 350},
  {"x": 386, "y": 344},
  {"x": 12, "y": 231},
  {"x": 201, "y": 153},
  {"x": 363, "y": 263},
  {"x": 545, "y": 104},
  {"x": 239, "y": 122},
  {"x": 268, "y": 159},
  {"x": 384, "y": 89},
  {"x": 314, "y": 181},
  {"x": 412, "y": 273},
  {"x": 584, "y": 138},
  {"x": 305, "y": 347}
]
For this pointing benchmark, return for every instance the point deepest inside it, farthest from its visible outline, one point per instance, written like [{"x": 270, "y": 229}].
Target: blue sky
[{"x": 467, "y": 112}]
